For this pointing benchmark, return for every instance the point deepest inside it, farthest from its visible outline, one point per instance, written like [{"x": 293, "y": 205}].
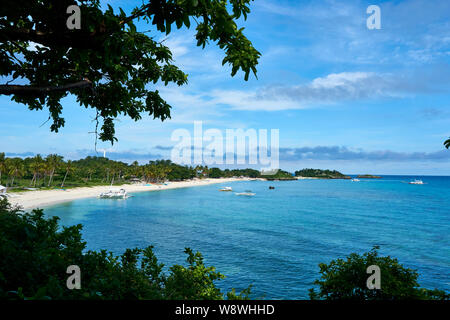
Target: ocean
[{"x": 276, "y": 239}]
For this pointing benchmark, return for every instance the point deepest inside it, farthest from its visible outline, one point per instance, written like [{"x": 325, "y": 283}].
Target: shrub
[{"x": 347, "y": 279}]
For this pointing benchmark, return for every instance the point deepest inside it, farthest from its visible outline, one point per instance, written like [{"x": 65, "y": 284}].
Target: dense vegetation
[
  {"x": 318, "y": 173},
  {"x": 217, "y": 173},
  {"x": 280, "y": 175},
  {"x": 347, "y": 279},
  {"x": 368, "y": 176},
  {"x": 35, "y": 254},
  {"x": 52, "y": 171},
  {"x": 106, "y": 63}
]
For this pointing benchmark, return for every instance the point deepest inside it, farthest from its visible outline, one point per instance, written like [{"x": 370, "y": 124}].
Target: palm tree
[
  {"x": 153, "y": 172},
  {"x": 107, "y": 174},
  {"x": 68, "y": 169},
  {"x": 43, "y": 171},
  {"x": 163, "y": 172},
  {"x": 205, "y": 171},
  {"x": 2, "y": 165},
  {"x": 89, "y": 172},
  {"x": 113, "y": 172},
  {"x": 119, "y": 171},
  {"x": 117, "y": 168},
  {"x": 54, "y": 161},
  {"x": 35, "y": 166},
  {"x": 16, "y": 168},
  {"x": 198, "y": 169},
  {"x": 135, "y": 169}
]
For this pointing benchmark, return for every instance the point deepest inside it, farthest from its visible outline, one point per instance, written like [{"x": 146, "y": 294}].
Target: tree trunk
[
  {"x": 33, "y": 179},
  {"x": 31, "y": 90},
  {"x": 64, "y": 180},
  {"x": 50, "y": 180}
]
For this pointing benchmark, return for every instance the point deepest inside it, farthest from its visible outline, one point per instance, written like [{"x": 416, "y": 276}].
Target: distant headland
[
  {"x": 320, "y": 174},
  {"x": 368, "y": 176}
]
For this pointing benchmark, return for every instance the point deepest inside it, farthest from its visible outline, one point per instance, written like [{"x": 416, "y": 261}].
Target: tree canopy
[
  {"x": 107, "y": 64},
  {"x": 346, "y": 279},
  {"x": 53, "y": 171},
  {"x": 319, "y": 173}
]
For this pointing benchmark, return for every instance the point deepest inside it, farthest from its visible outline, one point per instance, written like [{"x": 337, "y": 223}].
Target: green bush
[
  {"x": 347, "y": 279},
  {"x": 35, "y": 254}
]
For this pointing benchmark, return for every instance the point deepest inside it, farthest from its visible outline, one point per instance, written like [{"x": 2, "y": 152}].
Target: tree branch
[
  {"x": 74, "y": 39},
  {"x": 31, "y": 90},
  {"x": 138, "y": 14}
]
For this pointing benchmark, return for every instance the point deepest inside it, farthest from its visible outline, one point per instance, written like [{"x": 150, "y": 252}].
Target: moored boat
[
  {"x": 246, "y": 193},
  {"x": 114, "y": 194},
  {"x": 3, "y": 193}
]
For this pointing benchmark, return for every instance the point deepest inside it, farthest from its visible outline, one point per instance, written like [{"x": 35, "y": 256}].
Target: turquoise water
[{"x": 276, "y": 239}]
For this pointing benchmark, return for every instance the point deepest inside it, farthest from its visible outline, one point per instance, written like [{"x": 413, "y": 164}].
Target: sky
[{"x": 342, "y": 96}]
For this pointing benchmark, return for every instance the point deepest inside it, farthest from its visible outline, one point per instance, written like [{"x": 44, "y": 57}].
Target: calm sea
[{"x": 276, "y": 239}]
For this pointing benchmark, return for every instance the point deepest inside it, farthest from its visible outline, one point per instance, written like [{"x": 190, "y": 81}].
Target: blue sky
[{"x": 343, "y": 97}]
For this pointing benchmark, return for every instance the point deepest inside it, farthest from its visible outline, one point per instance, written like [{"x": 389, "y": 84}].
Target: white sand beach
[{"x": 43, "y": 198}]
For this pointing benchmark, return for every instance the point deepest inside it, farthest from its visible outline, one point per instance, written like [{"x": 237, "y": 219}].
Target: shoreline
[{"x": 45, "y": 198}]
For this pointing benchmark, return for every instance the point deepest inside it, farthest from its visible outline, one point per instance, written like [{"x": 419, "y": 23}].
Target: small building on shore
[{"x": 135, "y": 180}]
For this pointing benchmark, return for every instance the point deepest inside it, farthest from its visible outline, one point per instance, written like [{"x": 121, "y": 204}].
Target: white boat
[
  {"x": 416, "y": 181},
  {"x": 114, "y": 194},
  {"x": 246, "y": 193},
  {"x": 226, "y": 189},
  {"x": 3, "y": 192},
  {"x": 355, "y": 179}
]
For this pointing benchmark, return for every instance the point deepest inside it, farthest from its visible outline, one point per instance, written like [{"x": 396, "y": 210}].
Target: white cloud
[
  {"x": 190, "y": 58},
  {"x": 335, "y": 31},
  {"x": 339, "y": 79},
  {"x": 243, "y": 100},
  {"x": 179, "y": 46},
  {"x": 331, "y": 89}
]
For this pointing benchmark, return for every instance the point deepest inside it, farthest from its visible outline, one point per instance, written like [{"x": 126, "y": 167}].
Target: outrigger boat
[
  {"x": 416, "y": 181},
  {"x": 114, "y": 194},
  {"x": 246, "y": 193},
  {"x": 226, "y": 189},
  {"x": 3, "y": 193}
]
